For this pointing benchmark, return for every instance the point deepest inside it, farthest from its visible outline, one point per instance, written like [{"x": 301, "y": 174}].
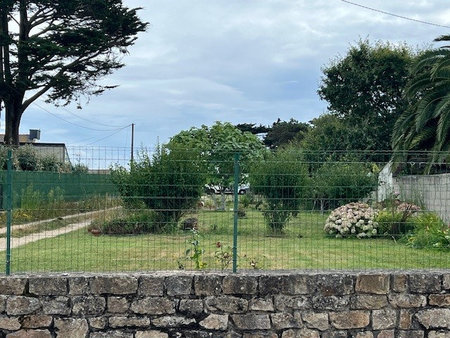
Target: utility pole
[{"x": 132, "y": 142}]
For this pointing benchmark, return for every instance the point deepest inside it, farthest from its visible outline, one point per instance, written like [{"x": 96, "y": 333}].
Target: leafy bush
[
  {"x": 281, "y": 179},
  {"x": 169, "y": 182},
  {"x": 430, "y": 232},
  {"x": 353, "y": 219},
  {"x": 27, "y": 158},
  {"x": 338, "y": 183},
  {"x": 394, "y": 223},
  {"x": 130, "y": 223}
]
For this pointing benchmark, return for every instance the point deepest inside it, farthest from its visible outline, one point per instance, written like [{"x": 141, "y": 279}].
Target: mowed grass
[{"x": 303, "y": 245}]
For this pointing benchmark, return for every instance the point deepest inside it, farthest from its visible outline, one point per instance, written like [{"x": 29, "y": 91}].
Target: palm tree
[{"x": 426, "y": 124}]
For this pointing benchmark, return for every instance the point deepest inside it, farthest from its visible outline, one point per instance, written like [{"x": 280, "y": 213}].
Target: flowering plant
[{"x": 353, "y": 219}]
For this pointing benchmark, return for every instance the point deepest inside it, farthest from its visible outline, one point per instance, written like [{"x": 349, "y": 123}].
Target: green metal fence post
[
  {"x": 235, "y": 209},
  {"x": 8, "y": 212}
]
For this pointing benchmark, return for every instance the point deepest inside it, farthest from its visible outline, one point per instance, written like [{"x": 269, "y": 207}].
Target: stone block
[
  {"x": 12, "y": 285},
  {"x": 111, "y": 334},
  {"x": 178, "y": 285},
  {"x": 331, "y": 285},
  {"x": 88, "y": 305},
  {"x": 296, "y": 285},
  {"x": 386, "y": 334},
  {"x": 368, "y": 302},
  {"x": 405, "y": 319},
  {"x": 446, "y": 281},
  {"x": 384, "y": 319},
  {"x": 30, "y": 334},
  {"x": 270, "y": 285},
  {"x": 335, "y": 334},
  {"x": 191, "y": 306},
  {"x": 48, "y": 286},
  {"x": 302, "y": 333},
  {"x": 261, "y": 304},
  {"x": 399, "y": 283},
  {"x": 439, "y": 334},
  {"x": 3, "y": 299},
  {"x": 439, "y": 300},
  {"x": 10, "y": 323},
  {"x": 332, "y": 303},
  {"x": 172, "y": 321},
  {"x": 98, "y": 323},
  {"x": 316, "y": 320},
  {"x": 350, "y": 319},
  {"x": 240, "y": 285},
  {"x": 425, "y": 283},
  {"x": 151, "y": 286},
  {"x": 403, "y": 300},
  {"x": 283, "y": 302},
  {"x": 365, "y": 334},
  {"x": 117, "y": 304},
  {"x": 260, "y": 334},
  {"x": 208, "y": 285},
  {"x": 56, "y": 305},
  {"x": 374, "y": 283},
  {"x": 151, "y": 334},
  {"x": 36, "y": 321},
  {"x": 411, "y": 334},
  {"x": 70, "y": 328},
  {"x": 153, "y": 306},
  {"x": 117, "y": 322},
  {"x": 284, "y": 320},
  {"x": 21, "y": 305},
  {"x": 251, "y": 321},
  {"x": 114, "y": 285},
  {"x": 229, "y": 304},
  {"x": 215, "y": 322},
  {"x": 434, "y": 318},
  {"x": 78, "y": 286}
]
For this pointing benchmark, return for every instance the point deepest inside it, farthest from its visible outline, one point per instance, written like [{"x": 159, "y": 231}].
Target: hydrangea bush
[{"x": 352, "y": 219}]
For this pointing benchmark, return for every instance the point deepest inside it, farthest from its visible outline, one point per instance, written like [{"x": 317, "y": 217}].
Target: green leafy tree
[
  {"x": 339, "y": 183},
  {"x": 59, "y": 49},
  {"x": 170, "y": 182},
  {"x": 217, "y": 145},
  {"x": 282, "y": 179},
  {"x": 365, "y": 89},
  {"x": 426, "y": 125},
  {"x": 283, "y": 132}
]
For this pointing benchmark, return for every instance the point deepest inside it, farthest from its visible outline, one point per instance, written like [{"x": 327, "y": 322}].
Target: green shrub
[
  {"x": 430, "y": 232},
  {"x": 27, "y": 158},
  {"x": 130, "y": 223},
  {"x": 339, "y": 183},
  {"x": 394, "y": 223},
  {"x": 170, "y": 183},
  {"x": 281, "y": 179}
]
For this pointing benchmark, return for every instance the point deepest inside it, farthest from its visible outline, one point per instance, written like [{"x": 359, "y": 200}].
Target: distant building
[{"x": 58, "y": 150}]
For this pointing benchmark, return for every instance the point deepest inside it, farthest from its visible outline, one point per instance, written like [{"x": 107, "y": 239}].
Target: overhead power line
[
  {"x": 75, "y": 124},
  {"x": 395, "y": 15}
]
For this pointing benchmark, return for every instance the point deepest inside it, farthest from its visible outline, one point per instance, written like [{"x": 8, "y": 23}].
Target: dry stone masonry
[{"x": 208, "y": 304}]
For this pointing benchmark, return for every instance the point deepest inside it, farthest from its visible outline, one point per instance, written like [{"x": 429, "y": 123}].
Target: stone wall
[{"x": 207, "y": 304}]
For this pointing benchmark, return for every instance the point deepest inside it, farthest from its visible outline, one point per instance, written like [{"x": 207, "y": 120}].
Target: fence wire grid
[{"x": 94, "y": 210}]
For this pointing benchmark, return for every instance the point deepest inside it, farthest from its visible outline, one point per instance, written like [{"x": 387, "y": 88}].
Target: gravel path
[{"x": 18, "y": 241}]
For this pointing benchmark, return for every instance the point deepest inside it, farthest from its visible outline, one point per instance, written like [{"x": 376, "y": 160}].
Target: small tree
[
  {"x": 169, "y": 182},
  {"x": 339, "y": 183},
  {"x": 281, "y": 178}
]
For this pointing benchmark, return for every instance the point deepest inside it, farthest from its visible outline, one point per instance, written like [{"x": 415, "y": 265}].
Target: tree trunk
[{"x": 13, "y": 114}]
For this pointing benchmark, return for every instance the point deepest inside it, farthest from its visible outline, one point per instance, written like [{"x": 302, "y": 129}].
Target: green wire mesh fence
[{"x": 187, "y": 209}]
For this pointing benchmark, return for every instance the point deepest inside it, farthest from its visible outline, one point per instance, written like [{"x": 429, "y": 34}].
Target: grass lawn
[{"x": 303, "y": 245}]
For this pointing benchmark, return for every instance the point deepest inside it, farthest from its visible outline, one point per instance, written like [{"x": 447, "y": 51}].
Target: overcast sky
[{"x": 251, "y": 61}]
